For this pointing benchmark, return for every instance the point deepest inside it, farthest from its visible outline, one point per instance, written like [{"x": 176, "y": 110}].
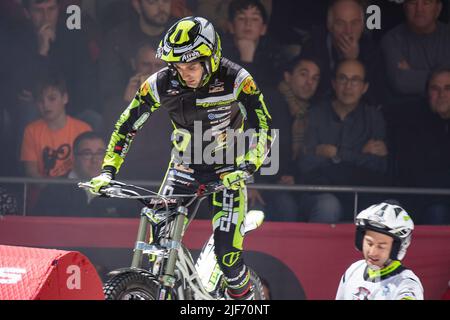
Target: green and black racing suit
[{"x": 229, "y": 100}]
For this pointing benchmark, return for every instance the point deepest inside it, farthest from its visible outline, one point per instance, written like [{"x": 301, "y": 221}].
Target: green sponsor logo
[{"x": 230, "y": 258}]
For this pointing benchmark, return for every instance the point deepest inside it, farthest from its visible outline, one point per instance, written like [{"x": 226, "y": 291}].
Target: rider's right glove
[{"x": 101, "y": 181}]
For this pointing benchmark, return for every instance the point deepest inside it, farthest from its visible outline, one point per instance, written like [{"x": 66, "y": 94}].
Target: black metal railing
[{"x": 356, "y": 190}]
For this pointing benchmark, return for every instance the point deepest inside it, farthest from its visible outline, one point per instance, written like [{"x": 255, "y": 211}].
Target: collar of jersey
[{"x": 393, "y": 268}]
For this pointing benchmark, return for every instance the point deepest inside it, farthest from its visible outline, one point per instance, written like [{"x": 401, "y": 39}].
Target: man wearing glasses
[
  {"x": 66, "y": 200},
  {"x": 345, "y": 138}
]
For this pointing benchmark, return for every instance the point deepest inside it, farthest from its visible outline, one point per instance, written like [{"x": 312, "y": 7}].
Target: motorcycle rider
[
  {"x": 383, "y": 234},
  {"x": 202, "y": 90}
]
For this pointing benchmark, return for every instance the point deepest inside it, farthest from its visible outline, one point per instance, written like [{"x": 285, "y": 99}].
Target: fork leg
[
  {"x": 176, "y": 238},
  {"x": 142, "y": 233},
  {"x": 168, "y": 279}
]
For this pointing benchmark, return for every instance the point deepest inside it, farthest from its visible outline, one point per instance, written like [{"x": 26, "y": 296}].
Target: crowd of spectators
[{"x": 354, "y": 106}]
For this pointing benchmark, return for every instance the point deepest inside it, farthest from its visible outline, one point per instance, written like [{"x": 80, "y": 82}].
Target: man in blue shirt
[{"x": 345, "y": 138}]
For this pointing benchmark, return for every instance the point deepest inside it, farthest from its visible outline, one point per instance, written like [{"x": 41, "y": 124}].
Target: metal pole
[
  {"x": 25, "y": 195},
  {"x": 355, "y": 206},
  {"x": 272, "y": 187}
]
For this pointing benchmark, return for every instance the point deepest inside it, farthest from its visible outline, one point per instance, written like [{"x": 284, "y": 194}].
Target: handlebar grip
[{"x": 103, "y": 191}]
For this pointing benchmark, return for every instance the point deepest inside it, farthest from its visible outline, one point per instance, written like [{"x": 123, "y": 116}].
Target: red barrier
[
  {"x": 43, "y": 274},
  {"x": 317, "y": 254},
  {"x": 446, "y": 295}
]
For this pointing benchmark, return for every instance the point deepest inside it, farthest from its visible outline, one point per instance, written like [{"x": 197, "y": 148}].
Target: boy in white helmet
[{"x": 383, "y": 234}]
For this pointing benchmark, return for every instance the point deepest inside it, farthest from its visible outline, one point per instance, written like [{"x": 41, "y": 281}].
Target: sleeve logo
[
  {"x": 249, "y": 86},
  {"x": 145, "y": 88}
]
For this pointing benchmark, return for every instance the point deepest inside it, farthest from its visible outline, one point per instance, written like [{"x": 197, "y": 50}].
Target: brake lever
[
  {"x": 84, "y": 185},
  {"x": 117, "y": 183},
  {"x": 211, "y": 188}
]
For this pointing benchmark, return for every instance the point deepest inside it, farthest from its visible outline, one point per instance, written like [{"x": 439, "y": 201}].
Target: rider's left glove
[
  {"x": 100, "y": 181},
  {"x": 235, "y": 180}
]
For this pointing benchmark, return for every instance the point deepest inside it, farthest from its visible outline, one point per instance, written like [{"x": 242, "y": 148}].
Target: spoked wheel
[
  {"x": 130, "y": 286},
  {"x": 257, "y": 286}
]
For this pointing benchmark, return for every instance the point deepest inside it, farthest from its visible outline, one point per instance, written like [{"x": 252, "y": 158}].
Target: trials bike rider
[{"x": 200, "y": 89}]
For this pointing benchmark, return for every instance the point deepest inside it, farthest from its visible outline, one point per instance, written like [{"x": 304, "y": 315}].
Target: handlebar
[{"x": 117, "y": 189}]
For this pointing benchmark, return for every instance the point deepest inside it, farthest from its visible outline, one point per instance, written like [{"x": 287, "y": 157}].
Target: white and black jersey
[{"x": 393, "y": 282}]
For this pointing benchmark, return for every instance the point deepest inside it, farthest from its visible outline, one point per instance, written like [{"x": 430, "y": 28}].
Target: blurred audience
[
  {"x": 345, "y": 38},
  {"x": 68, "y": 200},
  {"x": 121, "y": 44},
  {"x": 415, "y": 47},
  {"x": 47, "y": 142},
  {"x": 111, "y": 13},
  {"x": 291, "y": 22},
  {"x": 8, "y": 160},
  {"x": 411, "y": 50},
  {"x": 45, "y": 45},
  {"x": 143, "y": 64},
  {"x": 423, "y": 149},
  {"x": 11, "y": 14},
  {"x": 181, "y": 9},
  {"x": 344, "y": 143},
  {"x": 247, "y": 45},
  {"x": 330, "y": 131},
  {"x": 391, "y": 16},
  {"x": 291, "y": 106},
  {"x": 298, "y": 89},
  {"x": 216, "y": 11},
  {"x": 144, "y": 164}
]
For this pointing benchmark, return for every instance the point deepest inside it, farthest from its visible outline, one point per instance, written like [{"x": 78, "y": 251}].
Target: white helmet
[{"x": 387, "y": 218}]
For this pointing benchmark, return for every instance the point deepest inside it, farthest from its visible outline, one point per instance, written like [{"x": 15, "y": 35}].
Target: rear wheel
[
  {"x": 130, "y": 286},
  {"x": 257, "y": 285}
]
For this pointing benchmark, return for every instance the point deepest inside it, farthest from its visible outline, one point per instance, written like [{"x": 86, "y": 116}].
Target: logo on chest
[
  {"x": 217, "y": 86},
  {"x": 174, "y": 88},
  {"x": 362, "y": 294}
]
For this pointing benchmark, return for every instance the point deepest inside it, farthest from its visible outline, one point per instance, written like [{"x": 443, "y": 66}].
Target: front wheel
[{"x": 130, "y": 286}]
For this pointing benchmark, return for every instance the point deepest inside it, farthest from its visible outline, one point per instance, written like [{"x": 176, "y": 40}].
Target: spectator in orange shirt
[{"x": 47, "y": 142}]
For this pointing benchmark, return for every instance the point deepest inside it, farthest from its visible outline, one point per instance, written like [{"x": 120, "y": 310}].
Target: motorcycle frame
[{"x": 177, "y": 256}]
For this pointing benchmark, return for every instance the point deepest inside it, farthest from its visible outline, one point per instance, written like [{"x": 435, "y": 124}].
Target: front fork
[
  {"x": 174, "y": 244},
  {"x": 168, "y": 279}
]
